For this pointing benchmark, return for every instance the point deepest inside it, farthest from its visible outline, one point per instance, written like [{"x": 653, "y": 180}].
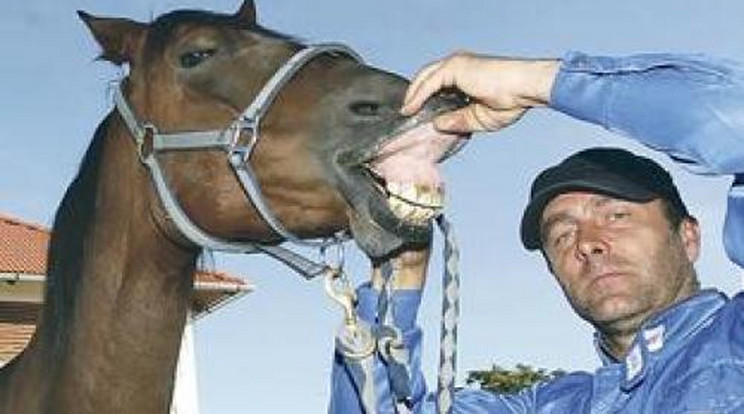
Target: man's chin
[{"x": 618, "y": 312}]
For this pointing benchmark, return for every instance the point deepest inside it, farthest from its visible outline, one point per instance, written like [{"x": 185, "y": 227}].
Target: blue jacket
[{"x": 690, "y": 357}]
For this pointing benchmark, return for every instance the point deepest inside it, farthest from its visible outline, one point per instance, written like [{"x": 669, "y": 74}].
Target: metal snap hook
[
  {"x": 354, "y": 338},
  {"x": 338, "y": 288}
]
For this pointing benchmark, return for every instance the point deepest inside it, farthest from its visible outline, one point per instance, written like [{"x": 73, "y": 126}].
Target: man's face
[{"x": 617, "y": 261}]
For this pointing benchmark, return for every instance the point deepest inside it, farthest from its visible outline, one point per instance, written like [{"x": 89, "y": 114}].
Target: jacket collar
[{"x": 661, "y": 334}]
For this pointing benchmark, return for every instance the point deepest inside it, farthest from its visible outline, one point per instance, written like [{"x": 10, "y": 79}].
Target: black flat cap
[{"x": 611, "y": 171}]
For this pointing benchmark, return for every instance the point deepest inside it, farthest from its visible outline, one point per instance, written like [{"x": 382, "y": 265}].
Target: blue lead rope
[
  {"x": 450, "y": 319},
  {"x": 390, "y": 344},
  {"x": 359, "y": 343}
]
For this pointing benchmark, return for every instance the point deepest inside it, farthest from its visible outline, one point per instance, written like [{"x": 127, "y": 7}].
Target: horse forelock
[{"x": 163, "y": 28}]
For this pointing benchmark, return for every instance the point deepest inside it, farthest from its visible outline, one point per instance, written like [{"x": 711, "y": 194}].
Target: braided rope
[
  {"x": 390, "y": 345},
  {"x": 396, "y": 357},
  {"x": 450, "y": 316}
]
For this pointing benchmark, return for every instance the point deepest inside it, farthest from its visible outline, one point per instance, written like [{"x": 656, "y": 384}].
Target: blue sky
[{"x": 270, "y": 351}]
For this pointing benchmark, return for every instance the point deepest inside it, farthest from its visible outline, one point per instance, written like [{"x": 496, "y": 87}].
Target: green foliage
[{"x": 505, "y": 381}]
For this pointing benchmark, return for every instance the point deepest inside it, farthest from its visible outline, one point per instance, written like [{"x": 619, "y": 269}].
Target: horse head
[{"x": 332, "y": 142}]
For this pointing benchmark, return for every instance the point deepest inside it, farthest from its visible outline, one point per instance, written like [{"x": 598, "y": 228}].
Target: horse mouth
[
  {"x": 397, "y": 187},
  {"x": 405, "y": 171},
  {"x": 412, "y": 203}
]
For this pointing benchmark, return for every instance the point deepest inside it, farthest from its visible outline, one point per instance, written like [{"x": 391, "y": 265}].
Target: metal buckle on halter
[
  {"x": 238, "y": 156},
  {"x": 145, "y": 142},
  {"x": 243, "y": 124}
]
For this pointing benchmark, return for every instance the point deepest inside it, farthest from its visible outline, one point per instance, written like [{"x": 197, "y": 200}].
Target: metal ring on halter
[
  {"x": 149, "y": 131},
  {"x": 339, "y": 259},
  {"x": 251, "y": 125}
]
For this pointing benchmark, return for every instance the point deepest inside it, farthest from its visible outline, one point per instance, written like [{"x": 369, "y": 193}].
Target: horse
[{"x": 119, "y": 264}]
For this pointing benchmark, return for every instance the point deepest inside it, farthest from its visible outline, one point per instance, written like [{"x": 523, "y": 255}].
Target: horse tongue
[{"x": 413, "y": 156}]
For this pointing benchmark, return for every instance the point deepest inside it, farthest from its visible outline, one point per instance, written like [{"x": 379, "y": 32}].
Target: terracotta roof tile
[
  {"x": 23, "y": 246},
  {"x": 206, "y": 276},
  {"x": 23, "y": 249}
]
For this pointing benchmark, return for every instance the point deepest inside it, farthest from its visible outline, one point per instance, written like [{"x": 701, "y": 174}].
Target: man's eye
[
  {"x": 618, "y": 215},
  {"x": 560, "y": 240},
  {"x": 192, "y": 59}
]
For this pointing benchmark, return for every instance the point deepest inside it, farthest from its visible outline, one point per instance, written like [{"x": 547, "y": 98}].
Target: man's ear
[{"x": 689, "y": 233}]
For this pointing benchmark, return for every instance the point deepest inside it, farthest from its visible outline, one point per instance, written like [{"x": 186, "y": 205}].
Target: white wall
[{"x": 185, "y": 395}]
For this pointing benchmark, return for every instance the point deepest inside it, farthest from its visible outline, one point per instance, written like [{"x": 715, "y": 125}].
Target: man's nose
[{"x": 592, "y": 241}]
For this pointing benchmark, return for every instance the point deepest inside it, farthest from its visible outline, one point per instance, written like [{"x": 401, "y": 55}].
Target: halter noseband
[{"x": 238, "y": 156}]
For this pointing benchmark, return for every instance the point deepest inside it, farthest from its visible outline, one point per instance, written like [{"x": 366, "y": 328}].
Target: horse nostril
[
  {"x": 452, "y": 96},
  {"x": 365, "y": 108}
]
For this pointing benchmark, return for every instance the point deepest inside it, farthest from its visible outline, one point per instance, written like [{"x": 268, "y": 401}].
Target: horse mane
[{"x": 72, "y": 221}]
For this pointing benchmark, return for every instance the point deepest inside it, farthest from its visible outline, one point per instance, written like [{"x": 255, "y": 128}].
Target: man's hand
[
  {"x": 409, "y": 267},
  {"x": 501, "y": 90}
]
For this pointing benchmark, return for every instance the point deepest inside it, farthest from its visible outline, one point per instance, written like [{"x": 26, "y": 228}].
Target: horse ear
[
  {"x": 247, "y": 12},
  {"x": 119, "y": 38}
]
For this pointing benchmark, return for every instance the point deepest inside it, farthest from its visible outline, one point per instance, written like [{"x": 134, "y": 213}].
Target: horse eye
[
  {"x": 191, "y": 59},
  {"x": 365, "y": 108}
]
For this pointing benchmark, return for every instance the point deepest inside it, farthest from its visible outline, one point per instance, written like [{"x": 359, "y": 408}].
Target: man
[{"x": 612, "y": 228}]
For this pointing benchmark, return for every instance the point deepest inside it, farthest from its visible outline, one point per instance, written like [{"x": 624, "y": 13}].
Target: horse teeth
[
  {"x": 397, "y": 206},
  {"x": 409, "y": 212},
  {"x": 438, "y": 199},
  {"x": 421, "y": 214},
  {"x": 414, "y": 203},
  {"x": 418, "y": 193},
  {"x": 409, "y": 192},
  {"x": 393, "y": 188},
  {"x": 428, "y": 199}
]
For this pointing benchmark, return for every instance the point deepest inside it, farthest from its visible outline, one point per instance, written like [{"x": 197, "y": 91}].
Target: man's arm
[
  {"x": 501, "y": 90},
  {"x": 688, "y": 106},
  {"x": 347, "y": 381},
  {"x": 691, "y": 107}
]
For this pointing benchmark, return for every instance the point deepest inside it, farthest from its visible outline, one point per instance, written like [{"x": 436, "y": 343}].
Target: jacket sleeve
[
  {"x": 345, "y": 380},
  {"x": 690, "y": 107}
]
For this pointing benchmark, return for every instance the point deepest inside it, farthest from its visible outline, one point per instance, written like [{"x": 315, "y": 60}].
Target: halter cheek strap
[{"x": 238, "y": 157}]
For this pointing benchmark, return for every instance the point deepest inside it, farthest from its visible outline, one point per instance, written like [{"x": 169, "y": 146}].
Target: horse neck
[{"x": 119, "y": 294}]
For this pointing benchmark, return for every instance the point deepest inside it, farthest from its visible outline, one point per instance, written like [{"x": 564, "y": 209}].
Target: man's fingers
[
  {"x": 419, "y": 77},
  {"x": 425, "y": 84},
  {"x": 460, "y": 121},
  {"x": 476, "y": 118}
]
